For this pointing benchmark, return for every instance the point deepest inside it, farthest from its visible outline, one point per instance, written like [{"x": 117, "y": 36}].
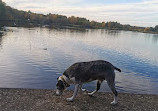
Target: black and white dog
[{"x": 83, "y": 72}]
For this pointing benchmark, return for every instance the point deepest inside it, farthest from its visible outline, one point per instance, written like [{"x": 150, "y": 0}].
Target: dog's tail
[{"x": 117, "y": 69}]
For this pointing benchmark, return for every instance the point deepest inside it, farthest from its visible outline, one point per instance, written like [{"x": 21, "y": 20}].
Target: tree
[
  {"x": 93, "y": 24},
  {"x": 2, "y": 10},
  {"x": 10, "y": 16},
  {"x": 147, "y": 29},
  {"x": 72, "y": 20},
  {"x": 103, "y": 24},
  {"x": 110, "y": 25},
  {"x": 53, "y": 17},
  {"x": 156, "y": 28}
]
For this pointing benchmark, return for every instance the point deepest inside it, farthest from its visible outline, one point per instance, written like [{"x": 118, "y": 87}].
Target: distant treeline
[{"x": 13, "y": 17}]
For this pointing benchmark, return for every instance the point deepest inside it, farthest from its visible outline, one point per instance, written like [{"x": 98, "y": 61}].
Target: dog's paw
[
  {"x": 90, "y": 94},
  {"x": 114, "y": 103},
  {"x": 84, "y": 90},
  {"x": 70, "y": 99}
]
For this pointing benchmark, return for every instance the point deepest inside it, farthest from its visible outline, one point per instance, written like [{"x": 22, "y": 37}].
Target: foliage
[{"x": 13, "y": 17}]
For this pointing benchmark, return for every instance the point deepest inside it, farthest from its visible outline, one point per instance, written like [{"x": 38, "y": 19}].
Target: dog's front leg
[{"x": 77, "y": 87}]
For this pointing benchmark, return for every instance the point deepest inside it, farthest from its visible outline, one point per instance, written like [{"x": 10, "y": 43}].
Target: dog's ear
[
  {"x": 60, "y": 84},
  {"x": 57, "y": 78}
]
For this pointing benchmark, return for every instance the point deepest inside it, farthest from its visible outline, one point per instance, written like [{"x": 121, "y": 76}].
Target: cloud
[{"x": 142, "y": 13}]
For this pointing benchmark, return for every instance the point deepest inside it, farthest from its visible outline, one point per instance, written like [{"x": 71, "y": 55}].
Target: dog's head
[{"x": 61, "y": 86}]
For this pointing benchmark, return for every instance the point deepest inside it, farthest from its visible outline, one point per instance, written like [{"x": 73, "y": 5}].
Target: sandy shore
[{"x": 45, "y": 100}]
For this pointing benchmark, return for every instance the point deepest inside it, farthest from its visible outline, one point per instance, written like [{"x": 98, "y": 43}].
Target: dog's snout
[{"x": 58, "y": 93}]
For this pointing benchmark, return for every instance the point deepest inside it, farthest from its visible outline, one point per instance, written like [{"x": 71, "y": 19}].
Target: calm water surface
[{"x": 34, "y": 58}]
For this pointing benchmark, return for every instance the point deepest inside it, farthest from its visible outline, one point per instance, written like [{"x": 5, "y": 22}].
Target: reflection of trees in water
[
  {"x": 70, "y": 30},
  {"x": 151, "y": 37},
  {"x": 0, "y": 40},
  {"x": 155, "y": 38},
  {"x": 113, "y": 33}
]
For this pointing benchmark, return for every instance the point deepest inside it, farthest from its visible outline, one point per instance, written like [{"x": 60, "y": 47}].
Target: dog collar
[{"x": 65, "y": 83}]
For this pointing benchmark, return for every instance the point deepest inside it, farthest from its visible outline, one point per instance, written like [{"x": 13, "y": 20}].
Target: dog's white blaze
[
  {"x": 77, "y": 87},
  {"x": 73, "y": 80},
  {"x": 60, "y": 78},
  {"x": 83, "y": 90},
  {"x": 92, "y": 92},
  {"x": 57, "y": 92},
  {"x": 67, "y": 80},
  {"x": 115, "y": 100}
]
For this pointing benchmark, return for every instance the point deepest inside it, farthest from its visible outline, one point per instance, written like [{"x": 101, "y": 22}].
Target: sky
[{"x": 133, "y": 12}]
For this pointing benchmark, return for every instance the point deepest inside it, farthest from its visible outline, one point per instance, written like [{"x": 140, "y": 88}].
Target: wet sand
[{"x": 45, "y": 100}]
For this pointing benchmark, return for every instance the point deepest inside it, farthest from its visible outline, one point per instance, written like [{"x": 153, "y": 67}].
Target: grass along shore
[{"x": 45, "y": 100}]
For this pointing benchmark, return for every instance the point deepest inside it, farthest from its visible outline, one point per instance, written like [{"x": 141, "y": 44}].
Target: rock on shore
[{"x": 45, "y": 100}]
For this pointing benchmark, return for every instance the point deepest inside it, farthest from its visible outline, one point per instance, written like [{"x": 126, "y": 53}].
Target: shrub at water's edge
[{"x": 13, "y": 17}]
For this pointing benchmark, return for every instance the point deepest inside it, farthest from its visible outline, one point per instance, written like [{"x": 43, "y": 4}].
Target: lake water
[{"x": 34, "y": 58}]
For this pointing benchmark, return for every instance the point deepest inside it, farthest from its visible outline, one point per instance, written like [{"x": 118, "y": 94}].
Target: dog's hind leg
[
  {"x": 97, "y": 88},
  {"x": 77, "y": 87},
  {"x": 113, "y": 89},
  {"x": 84, "y": 90}
]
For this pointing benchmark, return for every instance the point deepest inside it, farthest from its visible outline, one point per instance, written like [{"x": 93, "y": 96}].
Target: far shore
[
  {"x": 46, "y": 100},
  {"x": 74, "y": 28}
]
